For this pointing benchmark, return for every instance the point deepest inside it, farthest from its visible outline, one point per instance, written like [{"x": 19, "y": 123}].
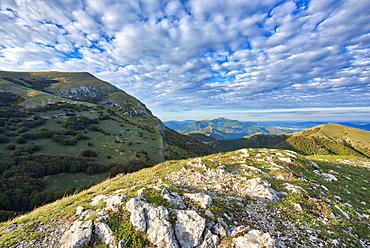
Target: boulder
[
  {"x": 105, "y": 234},
  {"x": 210, "y": 240},
  {"x": 173, "y": 197},
  {"x": 136, "y": 206},
  {"x": 189, "y": 227},
  {"x": 153, "y": 220},
  {"x": 202, "y": 199},
  {"x": 257, "y": 187},
  {"x": 79, "y": 233},
  {"x": 254, "y": 239}
]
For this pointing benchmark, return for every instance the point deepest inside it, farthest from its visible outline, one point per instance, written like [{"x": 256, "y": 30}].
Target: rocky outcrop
[
  {"x": 152, "y": 220},
  {"x": 202, "y": 199},
  {"x": 231, "y": 201},
  {"x": 79, "y": 233},
  {"x": 254, "y": 239},
  {"x": 257, "y": 187},
  {"x": 189, "y": 227}
]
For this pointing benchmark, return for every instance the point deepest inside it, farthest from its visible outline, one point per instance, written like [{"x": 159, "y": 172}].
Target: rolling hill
[
  {"x": 324, "y": 139},
  {"x": 222, "y": 128}
]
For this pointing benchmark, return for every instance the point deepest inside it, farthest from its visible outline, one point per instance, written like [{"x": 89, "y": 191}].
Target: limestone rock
[
  {"x": 202, "y": 199},
  {"x": 105, "y": 234},
  {"x": 210, "y": 240},
  {"x": 189, "y": 227},
  {"x": 154, "y": 221},
  {"x": 219, "y": 230},
  {"x": 79, "y": 210},
  {"x": 160, "y": 231},
  {"x": 77, "y": 235},
  {"x": 258, "y": 187},
  {"x": 111, "y": 201},
  {"x": 254, "y": 239},
  {"x": 136, "y": 206},
  {"x": 173, "y": 197},
  {"x": 237, "y": 230}
]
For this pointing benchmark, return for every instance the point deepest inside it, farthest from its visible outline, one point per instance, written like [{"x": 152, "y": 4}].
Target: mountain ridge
[
  {"x": 223, "y": 128},
  {"x": 269, "y": 198}
]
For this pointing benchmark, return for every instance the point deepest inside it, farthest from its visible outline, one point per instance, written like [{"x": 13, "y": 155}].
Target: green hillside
[
  {"x": 324, "y": 139},
  {"x": 74, "y": 125},
  {"x": 223, "y": 128}
]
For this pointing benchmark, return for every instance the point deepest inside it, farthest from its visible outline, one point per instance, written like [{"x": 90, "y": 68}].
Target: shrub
[
  {"x": 89, "y": 153},
  {"x": 81, "y": 137},
  {"x": 20, "y": 140},
  {"x": 3, "y": 139},
  {"x": 10, "y": 146}
]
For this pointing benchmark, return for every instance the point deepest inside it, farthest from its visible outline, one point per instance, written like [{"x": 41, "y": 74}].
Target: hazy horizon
[{"x": 259, "y": 60}]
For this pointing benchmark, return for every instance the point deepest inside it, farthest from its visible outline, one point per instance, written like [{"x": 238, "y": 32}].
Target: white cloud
[{"x": 223, "y": 54}]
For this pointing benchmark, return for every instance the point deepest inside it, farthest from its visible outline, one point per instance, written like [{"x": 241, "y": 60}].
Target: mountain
[
  {"x": 62, "y": 131},
  {"x": 223, "y": 128},
  {"x": 323, "y": 139},
  {"x": 244, "y": 198},
  {"x": 176, "y": 125}
]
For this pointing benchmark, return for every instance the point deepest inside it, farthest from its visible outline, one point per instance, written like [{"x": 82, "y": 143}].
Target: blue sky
[{"x": 249, "y": 60}]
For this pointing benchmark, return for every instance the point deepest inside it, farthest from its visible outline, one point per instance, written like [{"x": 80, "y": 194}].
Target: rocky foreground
[{"x": 247, "y": 198}]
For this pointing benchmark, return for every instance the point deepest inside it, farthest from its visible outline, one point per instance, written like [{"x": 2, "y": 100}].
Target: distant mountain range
[
  {"x": 204, "y": 127},
  {"x": 221, "y": 128}
]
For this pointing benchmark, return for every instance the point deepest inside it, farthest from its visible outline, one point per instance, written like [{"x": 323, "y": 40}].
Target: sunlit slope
[
  {"x": 324, "y": 139},
  {"x": 82, "y": 87}
]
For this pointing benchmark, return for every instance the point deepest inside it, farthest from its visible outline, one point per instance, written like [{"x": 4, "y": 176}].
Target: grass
[
  {"x": 64, "y": 181},
  {"x": 317, "y": 204}
]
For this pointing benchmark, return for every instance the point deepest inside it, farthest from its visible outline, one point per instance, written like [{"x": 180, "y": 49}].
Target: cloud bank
[{"x": 217, "y": 55}]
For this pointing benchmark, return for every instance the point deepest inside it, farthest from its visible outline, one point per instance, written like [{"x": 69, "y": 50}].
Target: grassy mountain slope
[
  {"x": 223, "y": 128},
  {"x": 322, "y": 201},
  {"x": 82, "y": 87},
  {"x": 323, "y": 139}
]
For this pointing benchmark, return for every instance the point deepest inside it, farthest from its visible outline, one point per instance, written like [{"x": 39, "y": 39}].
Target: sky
[{"x": 251, "y": 60}]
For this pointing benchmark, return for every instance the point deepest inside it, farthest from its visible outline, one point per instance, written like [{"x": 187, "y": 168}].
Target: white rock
[
  {"x": 219, "y": 230},
  {"x": 257, "y": 187},
  {"x": 114, "y": 201},
  {"x": 313, "y": 164},
  {"x": 79, "y": 233},
  {"x": 160, "y": 231},
  {"x": 138, "y": 213},
  {"x": 210, "y": 240},
  {"x": 288, "y": 160},
  {"x": 297, "y": 207},
  {"x": 141, "y": 192},
  {"x": 254, "y": 239},
  {"x": 105, "y": 234},
  {"x": 152, "y": 220},
  {"x": 202, "y": 199},
  {"x": 234, "y": 231},
  {"x": 293, "y": 188},
  {"x": 173, "y": 197},
  {"x": 342, "y": 212},
  {"x": 79, "y": 210},
  {"x": 96, "y": 200},
  {"x": 209, "y": 214},
  {"x": 189, "y": 227},
  {"x": 329, "y": 177}
]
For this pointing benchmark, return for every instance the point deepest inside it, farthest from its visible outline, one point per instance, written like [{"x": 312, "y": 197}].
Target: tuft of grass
[{"x": 122, "y": 229}]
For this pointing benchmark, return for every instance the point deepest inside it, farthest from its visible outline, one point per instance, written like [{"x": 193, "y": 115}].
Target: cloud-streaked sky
[{"x": 201, "y": 59}]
